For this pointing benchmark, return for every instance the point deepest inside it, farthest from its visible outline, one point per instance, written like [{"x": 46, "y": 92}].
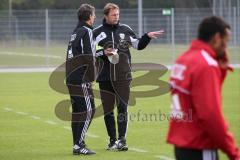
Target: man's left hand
[{"x": 155, "y": 34}]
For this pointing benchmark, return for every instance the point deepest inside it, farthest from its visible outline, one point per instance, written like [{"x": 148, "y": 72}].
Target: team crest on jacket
[{"x": 122, "y": 35}]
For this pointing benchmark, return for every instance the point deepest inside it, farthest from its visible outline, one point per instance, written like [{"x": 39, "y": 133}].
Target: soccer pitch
[
  {"x": 30, "y": 129},
  {"x": 37, "y": 55}
]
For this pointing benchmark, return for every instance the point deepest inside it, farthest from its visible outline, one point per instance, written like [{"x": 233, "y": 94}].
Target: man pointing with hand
[{"x": 114, "y": 70}]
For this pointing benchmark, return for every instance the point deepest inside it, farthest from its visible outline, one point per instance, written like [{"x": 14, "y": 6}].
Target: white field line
[
  {"x": 31, "y": 55},
  {"x": 67, "y": 128},
  {"x": 50, "y": 122},
  {"x": 138, "y": 150},
  {"x": 7, "y": 109},
  {"x": 162, "y": 157},
  {"x": 236, "y": 66},
  {"x": 51, "y": 69},
  {"x": 26, "y": 70},
  {"x": 88, "y": 134},
  {"x": 22, "y": 113},
  {"x": 35, "y": 117},
  {"x": 92, "y": 135}
]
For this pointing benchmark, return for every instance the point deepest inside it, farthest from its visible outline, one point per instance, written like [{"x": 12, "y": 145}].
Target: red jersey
[{"x": 197, "y": 120}]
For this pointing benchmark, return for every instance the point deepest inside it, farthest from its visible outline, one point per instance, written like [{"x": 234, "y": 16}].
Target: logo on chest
[
  {"x": 122, "y": 35},
  {"x": 178, "y": 71}
]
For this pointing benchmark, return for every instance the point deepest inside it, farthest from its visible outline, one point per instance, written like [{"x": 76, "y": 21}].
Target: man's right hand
[
  {"x": 224, "y": 61},
  {"x": 108, "y": 51}
]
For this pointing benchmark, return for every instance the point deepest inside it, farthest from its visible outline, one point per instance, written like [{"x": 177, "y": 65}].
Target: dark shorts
[{"x": 193, "y": 154}]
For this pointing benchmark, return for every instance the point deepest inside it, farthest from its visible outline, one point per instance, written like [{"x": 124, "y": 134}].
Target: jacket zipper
[{"x": 114, "y": 68}]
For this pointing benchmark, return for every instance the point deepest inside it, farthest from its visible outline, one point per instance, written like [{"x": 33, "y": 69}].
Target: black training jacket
[
  {"x": 80, "y": 55},
  {"x": 124, "y": 38}
]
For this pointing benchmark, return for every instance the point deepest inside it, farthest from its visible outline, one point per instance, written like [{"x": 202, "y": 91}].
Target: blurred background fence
[{"x": 45, "y": 33}]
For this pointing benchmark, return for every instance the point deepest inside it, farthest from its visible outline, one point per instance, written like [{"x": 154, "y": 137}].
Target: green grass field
[
  {"x": 30, "y": 129},
  {"x": 37, "y": 55}
]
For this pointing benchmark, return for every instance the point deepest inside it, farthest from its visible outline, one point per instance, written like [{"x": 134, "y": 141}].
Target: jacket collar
[
  {"x": 82, "y": 23},
  {"x": 199, "y": 44},
  {"x": 113, "y": 26}
]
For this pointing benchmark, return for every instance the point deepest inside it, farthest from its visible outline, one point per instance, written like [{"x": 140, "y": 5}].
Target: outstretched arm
[{"x": 141, "y": 43}]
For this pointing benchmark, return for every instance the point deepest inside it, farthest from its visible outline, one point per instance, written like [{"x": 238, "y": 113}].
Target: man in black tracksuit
[
  {"x": 115, "y": 78},
  {"x": 79, "y": 75}
]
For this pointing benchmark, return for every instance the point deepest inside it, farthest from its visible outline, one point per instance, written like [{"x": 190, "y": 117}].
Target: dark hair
[
  {"x": 108, "y": 7},
  {"x": 210, "y": 26},
  {"x": 85, "y": 11}
]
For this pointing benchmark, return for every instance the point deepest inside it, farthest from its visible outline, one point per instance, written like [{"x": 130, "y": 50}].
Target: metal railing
[{"x": 51, "y": 28}]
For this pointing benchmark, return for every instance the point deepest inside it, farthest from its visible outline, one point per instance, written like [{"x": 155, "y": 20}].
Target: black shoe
[
  {"x": 83, "y": 144},
  {"x": 112, "y": 146},
  {"x": 83, "y": 150},
  {"x": 122, "y": 145}
]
